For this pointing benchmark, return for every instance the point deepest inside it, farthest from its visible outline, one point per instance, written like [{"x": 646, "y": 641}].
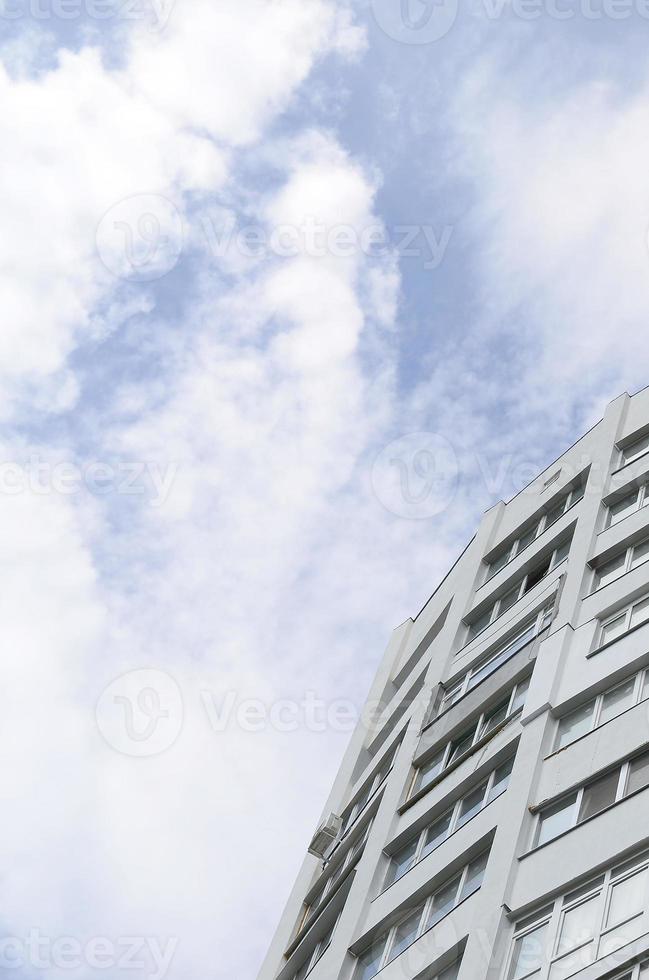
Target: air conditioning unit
[{"x": 325, "y": 835}]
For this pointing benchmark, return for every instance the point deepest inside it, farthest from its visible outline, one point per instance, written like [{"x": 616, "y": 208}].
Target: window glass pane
[
  {"x": 610, "y": 631},
  {"x": 578, "y": 925},
  {"x": 556, "y": 819},
  {"x": 610, "y": 571},
  {"x": 405, "y": 934},
  {"x": 509, "y": 599},
  {"x": 537, "y": 574},
  {"x": 401, "y": 862},
  {"x": 640, "y": 612},
  {"x": 529, "y": 954},
  {"x": 474, "y": 876},
  {"x": 427, "y": 773},
  {"x": 369, "y": 963},
  {"x": 561, "y": 553},
  {"x": 500, "y": 562},
  {"x": 527, "y": 538},
  {"x": 451, "y": 695},
  {"x": 462, "y": 744},
  {"x": 481, "y": 623},
  {"x": 471, "y": 804},
  {"x": 577, "y": 494},
  {"x": 519, "y": 697},
  {"x": 638, "y": 773},
  {"x": 623, "y": 507},
  {"x": 616, "y": 701},
  {"x": 627, "y": 898},
  {"x": 645, "y": 686},
  {"x": 436, "y": 833},
  {"x": 575, "y": 724},
  {"x": 501, "y": 780},
  {"x": 556, "y": 512},
  {"x": 494, "y": 718},
  {"x": 635, "y": 449},
  {"x": 640, "y": 553},
  {"x": 599, "y": 794},
  {"x": 444, "y": 901}
]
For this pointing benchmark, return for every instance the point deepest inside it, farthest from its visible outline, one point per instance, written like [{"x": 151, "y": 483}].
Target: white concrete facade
[{"x": 565, "y": 891}]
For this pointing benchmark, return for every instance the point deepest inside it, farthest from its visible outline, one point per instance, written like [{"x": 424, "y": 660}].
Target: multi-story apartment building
[{"x": 494, "y": 821}]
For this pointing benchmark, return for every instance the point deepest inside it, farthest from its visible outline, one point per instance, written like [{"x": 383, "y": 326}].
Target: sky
[{"x": 292, "y": 291}]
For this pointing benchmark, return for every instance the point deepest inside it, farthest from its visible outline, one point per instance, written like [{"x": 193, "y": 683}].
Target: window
[
  {"x": 354, "y": 809},
  {"x": 463, "y": 743},
  {"x": 623, "y": 507},
  {"x": 635, "y": 449},
  {"x": 436, "y": 832},
  {"x": 521, "y": 588},
  {"x": 419, "y": 920},
  {"x": 321, "y": 948},
  {"x": 584, "y": 926},
  {"x": 591, "y": 799},
  {"x": 615, "y": 567},
  {"x": 623, "y": 621},
  {"x": 329, "y": 880},
  {"x": 502, "y": 654},
  {"x": 540, "y": 525},
  {"x": 587, "y": 717},
  {"x": 528, "y": 953}
]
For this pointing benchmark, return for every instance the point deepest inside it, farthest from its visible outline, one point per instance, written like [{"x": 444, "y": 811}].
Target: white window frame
[
  {"x": 478, "y": 735},
  {"x": 467, "y": 682},
  {"x": 642, "y": 500},
  {"x": 553, "y": 916},
  {"x": 352, "y": 811},
  {"x": 488, "y": 783},
  {"x": 623, "y": 769},
  {"x": 599, "y": 700},
  {"x": 520, "y": 586},
  {"x": 321, "y": 897},
  {"x": 627, "y": 612},
  {"x": 575, "y": 496},
  {"x": 628, "y": 455},
  {"x": 318, "y": 951},
  {"x": 627, "y": 565},
  {"x": 424, "y": 915}
]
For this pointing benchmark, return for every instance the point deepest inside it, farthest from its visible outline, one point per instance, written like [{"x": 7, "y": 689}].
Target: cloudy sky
[{"x": 291, "y": 291}]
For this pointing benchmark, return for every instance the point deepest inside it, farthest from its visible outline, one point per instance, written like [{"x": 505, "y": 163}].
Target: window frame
[
  {"x": 319, "y": 950},
  {"x": 509, "y": 648},
  {"x": 640, "y": 676},
  {"x": 425, "y": 909},
  {"x": 642, "y": 500},
  {"x": 627, "y": 565},
  {"x": 479, "y": 732},
  {"x": 454, "y": 824},
  {"x": 622, "y": 769},
  {"x": 570, "y": 500},
  {"x": 521, "y": 587},
  {"x": 627, "y": 613},
  {"x": 553, "y": 915},
  {"x": 625, "y": 458}
]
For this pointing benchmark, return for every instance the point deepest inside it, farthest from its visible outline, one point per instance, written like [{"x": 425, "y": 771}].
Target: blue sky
[{"x": 234, "y": 457}]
